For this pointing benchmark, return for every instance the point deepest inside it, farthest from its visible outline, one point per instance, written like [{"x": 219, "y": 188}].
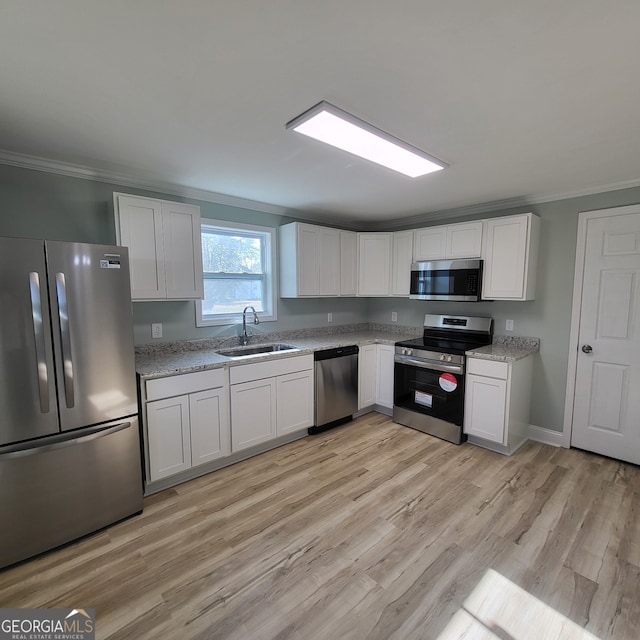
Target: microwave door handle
[
  {"x": 38, "y": 334},
  {"x": 65, "y": 339}
]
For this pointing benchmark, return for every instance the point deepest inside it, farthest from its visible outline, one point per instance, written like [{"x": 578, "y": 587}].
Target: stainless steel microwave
[{"x": 458, "y": 280}]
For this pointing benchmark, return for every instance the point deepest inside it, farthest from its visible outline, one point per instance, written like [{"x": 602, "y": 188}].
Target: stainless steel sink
[{"x": 259, "y": 349}]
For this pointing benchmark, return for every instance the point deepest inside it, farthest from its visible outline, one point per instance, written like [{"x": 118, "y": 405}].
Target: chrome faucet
[{"x": 244, "y": 339}]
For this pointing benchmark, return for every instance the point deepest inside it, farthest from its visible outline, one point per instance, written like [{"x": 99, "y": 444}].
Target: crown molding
[
  {"x": 111, "y": 177},
  {"x": 100, "y": 175},
  {"x": 521, "y": 202}
]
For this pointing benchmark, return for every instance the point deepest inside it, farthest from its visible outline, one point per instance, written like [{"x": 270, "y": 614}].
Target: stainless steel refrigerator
[{"x": 69, "y": 438}]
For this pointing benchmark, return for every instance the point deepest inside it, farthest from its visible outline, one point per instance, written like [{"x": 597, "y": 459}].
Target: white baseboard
[{"x": 546, "y": 436}]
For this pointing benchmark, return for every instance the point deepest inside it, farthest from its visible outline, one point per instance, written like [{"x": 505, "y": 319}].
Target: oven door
[{"x": 431, "y": 388}]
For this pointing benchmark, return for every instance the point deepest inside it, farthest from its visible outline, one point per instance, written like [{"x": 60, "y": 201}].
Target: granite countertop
[
  {"x": 186, "y": 356},
  {"x": 166, "y": 359},
  {"x": 507, "y": 349}
]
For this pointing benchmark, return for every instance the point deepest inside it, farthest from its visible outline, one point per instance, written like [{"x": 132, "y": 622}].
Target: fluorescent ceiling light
[{"x": 340, "y": 129}]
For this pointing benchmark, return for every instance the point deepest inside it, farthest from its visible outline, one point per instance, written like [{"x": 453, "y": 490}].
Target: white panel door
[
  {"x": 182, "y": 251},
  {"x": 505, "y": 257},
  {"x": 367, "y": 361},
  {"x": 168, "y": 436},
  {"x": 253, "y": 413},
  {"x": 294, "y": 402},
  {"x": 348, "y": 263},
  {"x": 430, "y": 243},
  {"x": 485, "y": 408},
  {"x": 210, "y": 436},
  {"x": 139, "y": 227},
  {"x": 401, "y": 263},
  {"x": 464, "y": 240},
  {"x": 329, "y": 261},
  {"x": 606, "y": 413},
  {"x": 308, "y": 260},
  {"x": 374, "y": 264},
  {"x": 385, "y": 355}
]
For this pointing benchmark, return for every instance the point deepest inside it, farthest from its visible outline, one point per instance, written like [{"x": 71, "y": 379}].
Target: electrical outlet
[
  {"x": 509, "y": 325},
  {"x": 329, "y": 317},
  {"x": 394, "y": 316},
  {"x": 156, "y": 329}
]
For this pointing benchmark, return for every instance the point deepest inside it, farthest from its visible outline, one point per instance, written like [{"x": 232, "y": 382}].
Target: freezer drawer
[{"x": 67, "y": 486}]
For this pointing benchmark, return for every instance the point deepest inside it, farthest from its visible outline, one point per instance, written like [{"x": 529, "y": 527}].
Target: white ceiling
[{"x": 525, "y": 99}]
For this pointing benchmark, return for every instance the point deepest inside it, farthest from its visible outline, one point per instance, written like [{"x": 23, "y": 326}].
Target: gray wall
[
  {"x": 38, "y": 204},
  {"x": 35, "y": 204}
]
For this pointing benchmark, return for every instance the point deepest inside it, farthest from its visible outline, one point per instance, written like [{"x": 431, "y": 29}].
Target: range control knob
[
  {"x": 449, "y": 358},
  {"x": 442, "y": 357}
]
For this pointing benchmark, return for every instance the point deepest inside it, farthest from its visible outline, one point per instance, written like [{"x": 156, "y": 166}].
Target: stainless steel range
[{"x": 429, "y": 374}]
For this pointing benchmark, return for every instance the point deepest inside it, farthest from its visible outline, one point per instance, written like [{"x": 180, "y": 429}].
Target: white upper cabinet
[
  {"x": 510, "y": 254},
  {"x": 463, "y": 240},
  {"x": 348, "y": 263},
  {"x": 165, "y": 252},
  {"x": 309, "y": 260},
  {"x": 401, "y": 263},
  {"x": 374, "y": 264}
]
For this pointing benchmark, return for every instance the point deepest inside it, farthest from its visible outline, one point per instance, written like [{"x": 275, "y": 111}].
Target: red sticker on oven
[{"x": 448, "y": 382}]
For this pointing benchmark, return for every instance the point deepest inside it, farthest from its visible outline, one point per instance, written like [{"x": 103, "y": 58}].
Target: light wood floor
[{"x": 371, "y": 530}]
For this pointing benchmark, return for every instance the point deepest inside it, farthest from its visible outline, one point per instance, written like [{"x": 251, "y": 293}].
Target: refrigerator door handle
[
  {"x": 60, "y": 441},
  {"x": 38, "y": 332},
  {"x": 65, "y": 337}
]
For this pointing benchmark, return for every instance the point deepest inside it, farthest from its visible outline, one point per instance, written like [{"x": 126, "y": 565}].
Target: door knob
[{"x": 586, "y": 348}]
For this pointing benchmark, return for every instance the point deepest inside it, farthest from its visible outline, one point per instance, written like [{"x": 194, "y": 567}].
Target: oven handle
[{"x": 434, "y": 366}]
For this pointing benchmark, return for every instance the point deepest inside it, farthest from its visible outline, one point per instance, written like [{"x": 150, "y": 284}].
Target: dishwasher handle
[{"x": 337, "y": 352}]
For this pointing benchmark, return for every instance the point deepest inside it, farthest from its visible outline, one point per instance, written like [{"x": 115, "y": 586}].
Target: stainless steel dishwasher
[{"x": 336, "y": 372}]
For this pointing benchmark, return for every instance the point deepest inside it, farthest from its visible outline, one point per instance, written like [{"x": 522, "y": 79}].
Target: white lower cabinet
[
  {"x": 188, "y": 428},
  {"x": 384, "y": 372},
  {"x": 375, "y": 375},
  {"x": 294, "y": 408},
  {"x": 367, "y": 376},
  {"x": 270, "y": 399},
  {"x": 497, "y": 403},
  {"x": 253, "y": 411}
]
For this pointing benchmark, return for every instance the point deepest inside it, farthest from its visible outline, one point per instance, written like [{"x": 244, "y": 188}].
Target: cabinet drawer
[
  {"x": 269, "y": 369},
  {"x": 489, "y": 368},
  {"x": 185, "y": 383}
]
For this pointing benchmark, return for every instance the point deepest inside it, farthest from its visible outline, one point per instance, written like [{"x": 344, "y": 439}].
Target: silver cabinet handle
[
  {"x": 38, "y": 333},
  {"x": 586, "y": 348},
  {"x": 65, "y": 337}
]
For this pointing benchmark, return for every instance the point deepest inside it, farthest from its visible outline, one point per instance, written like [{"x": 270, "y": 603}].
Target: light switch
[{"x": 156, "y": 329}]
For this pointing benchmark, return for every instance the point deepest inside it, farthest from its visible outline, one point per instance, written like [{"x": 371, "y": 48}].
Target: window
[{"x": 239, "y": 270}]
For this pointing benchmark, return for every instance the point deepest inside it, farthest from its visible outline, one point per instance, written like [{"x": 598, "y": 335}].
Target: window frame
[{"x": 270, "y": 314}]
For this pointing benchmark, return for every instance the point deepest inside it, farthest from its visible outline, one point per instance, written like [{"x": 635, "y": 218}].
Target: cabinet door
[
  {"x": 374, "y": 264},
  {"x": 505, "y": 259},
  {"x": 329, "y": 261},
  {"x": 139, "y": 227},
  {"x": 294, "y": 402},
  {"x": 253, "y": 413},
  {"x": 308, "y": 260},
  {"x": 182, "y": 251},
  {"x": 168, "y": 436},
  {"x": 348, "y": 263},
  {"x": 485, "y": 408},
  {"x": 464, "y": 240},
  {"x": 384, "y": 369},
  {"x": 430, "y": 243},
  {"x": 367, "y": 376},
  {"x": 210, "y": 436},
  {"x": 401, "y": 263}
]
